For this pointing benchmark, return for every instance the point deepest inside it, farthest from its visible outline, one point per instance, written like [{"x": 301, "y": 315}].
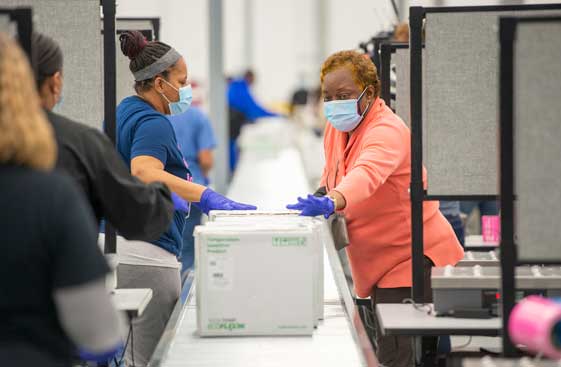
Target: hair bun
[{"x": 132, "y": 43}]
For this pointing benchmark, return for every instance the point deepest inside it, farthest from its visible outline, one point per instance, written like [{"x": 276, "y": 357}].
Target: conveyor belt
[
  {"x": 272, "y": 180},
  {"x": 332, "y": 344}
]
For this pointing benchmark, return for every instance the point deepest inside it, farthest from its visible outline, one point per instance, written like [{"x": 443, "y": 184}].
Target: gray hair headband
[{"x": 164, "y": 62}]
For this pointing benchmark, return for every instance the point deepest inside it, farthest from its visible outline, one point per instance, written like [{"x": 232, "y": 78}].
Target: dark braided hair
[
  {"x": 48, "y": 55},
  {"x": 142, "y": 54}
]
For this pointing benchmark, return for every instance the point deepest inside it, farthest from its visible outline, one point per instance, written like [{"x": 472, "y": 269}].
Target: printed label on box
[
  {"x": 220, "y": 272},
  {"x": 287, "y": 241},
  {"x": 225, "y": 325}
]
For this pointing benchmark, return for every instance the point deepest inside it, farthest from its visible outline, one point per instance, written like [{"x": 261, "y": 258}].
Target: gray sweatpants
[{"x": 148, "y": 328}]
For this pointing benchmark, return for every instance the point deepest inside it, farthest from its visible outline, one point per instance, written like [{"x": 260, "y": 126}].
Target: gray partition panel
[
  {"x": 460, "y": 118},
  {"x": 74, "y": 24},
  {"x": 6, "y": 26},
  {"x": 537, "y": 144},
  {"x": 401, "y": 61},
  {"x": 460, "y": 100}
]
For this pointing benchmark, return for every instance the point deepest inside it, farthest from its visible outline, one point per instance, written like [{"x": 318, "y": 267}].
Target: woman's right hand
[
  {"x": 211, "y": 200},
  {"x": 313, "y": 206}
]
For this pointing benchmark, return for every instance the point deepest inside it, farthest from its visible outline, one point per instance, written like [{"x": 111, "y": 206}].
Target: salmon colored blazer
[{"x": 372, "y": 169}]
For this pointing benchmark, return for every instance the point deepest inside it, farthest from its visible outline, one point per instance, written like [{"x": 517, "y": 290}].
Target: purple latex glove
[
  {"x": 211, "y": 200},
  {"x": 314, "y": 206},
  {"x": 179, "y": 203}
]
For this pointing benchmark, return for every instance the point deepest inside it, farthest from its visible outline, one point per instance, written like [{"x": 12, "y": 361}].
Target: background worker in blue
[
  {"x": 147, "y": 143},
  {"x": 196, "y": 141},
  {"x": 137, "y": 210},
  {"x": 242, "y": 109}
]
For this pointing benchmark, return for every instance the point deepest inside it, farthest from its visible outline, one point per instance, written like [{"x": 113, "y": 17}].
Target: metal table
[
  {"x": 132, "y": 301},
  {"x": 481, "y": 258},
  {"x": 475, "y": 243},
  {"x": 339, "y": 340},
  {"x": 405, "y": 319}
]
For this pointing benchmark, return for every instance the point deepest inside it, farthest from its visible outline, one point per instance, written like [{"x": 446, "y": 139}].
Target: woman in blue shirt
[
  {"x": 196, "y": 141},
  {"x": 147, "y": 142}
]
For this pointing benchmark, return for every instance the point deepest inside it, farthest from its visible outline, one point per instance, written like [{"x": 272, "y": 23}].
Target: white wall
[
  {"x": 287, "y": 53},
  {"x": 284, "y": 42},
  {"x": 234, "y": 28},
  {"x": 352, "y": 21},
  {"x": 285, "y": 38},
  {"x": 184, "y": 25}
]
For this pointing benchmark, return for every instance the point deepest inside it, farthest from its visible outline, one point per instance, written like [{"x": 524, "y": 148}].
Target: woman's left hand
[
  {"x": 313, "y": 206},
  {"x": 211, "y": 200},
  {"x": 179, "y": 203}
]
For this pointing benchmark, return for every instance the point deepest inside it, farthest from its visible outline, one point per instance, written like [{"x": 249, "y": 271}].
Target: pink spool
[
  {"x": 491, "y": 228},
  {"x": 535, "y": 322}
]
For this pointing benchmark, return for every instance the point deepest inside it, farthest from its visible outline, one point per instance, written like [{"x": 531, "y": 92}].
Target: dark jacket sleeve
[{"x": 137, "y": 210}]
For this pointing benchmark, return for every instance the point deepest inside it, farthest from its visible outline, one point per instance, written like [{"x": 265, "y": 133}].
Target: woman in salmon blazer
[{"x": 366, "y": 177}]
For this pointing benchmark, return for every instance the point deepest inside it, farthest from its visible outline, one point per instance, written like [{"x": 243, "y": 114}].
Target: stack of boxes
[{"x": 259, "y": 273}]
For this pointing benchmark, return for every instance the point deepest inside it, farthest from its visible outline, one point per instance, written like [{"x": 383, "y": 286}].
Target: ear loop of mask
[
  {"x": 358, "y": 103},
  {"x": 163, "y": 95}
]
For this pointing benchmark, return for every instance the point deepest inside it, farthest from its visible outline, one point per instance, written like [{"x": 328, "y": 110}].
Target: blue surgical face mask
[
  {"x": 185, "y": 99},
  {"x": 343, "y": 114}
]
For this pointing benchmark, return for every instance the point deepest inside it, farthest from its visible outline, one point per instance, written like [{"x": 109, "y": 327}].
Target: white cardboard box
[
  {"x": 255, "y": 281},
  {"x": 287, "y": 217},
  {"x": 219, "y": 214}
]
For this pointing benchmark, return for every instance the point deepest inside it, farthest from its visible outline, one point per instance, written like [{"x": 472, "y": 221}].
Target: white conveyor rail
[{"x": 271, "y": 180}]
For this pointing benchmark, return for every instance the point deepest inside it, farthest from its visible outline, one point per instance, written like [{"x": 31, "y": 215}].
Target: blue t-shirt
[
  {"x": 141, "y": 130},
  {"x": 194, "y": 133}
]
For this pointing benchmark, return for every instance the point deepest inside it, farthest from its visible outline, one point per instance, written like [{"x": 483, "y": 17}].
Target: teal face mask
[
  {"x": 185, "y": 99},
  {"x": 343, "y": 114}
]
